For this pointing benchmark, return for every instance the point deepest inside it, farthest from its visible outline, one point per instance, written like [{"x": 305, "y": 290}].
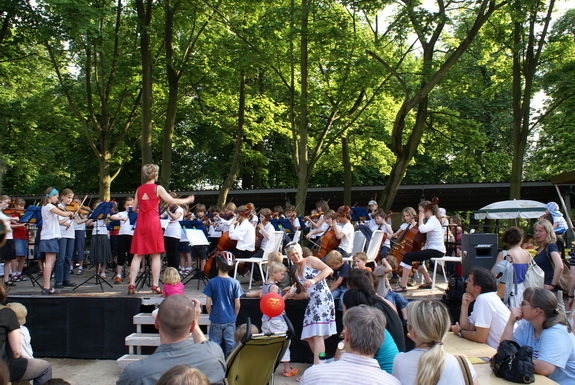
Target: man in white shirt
[
  {"x": 364, "y": 328},
  {"x": 489, "y": 317}
]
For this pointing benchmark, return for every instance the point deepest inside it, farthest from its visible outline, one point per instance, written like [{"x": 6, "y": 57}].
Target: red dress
[{"x": 148, "y": 237}]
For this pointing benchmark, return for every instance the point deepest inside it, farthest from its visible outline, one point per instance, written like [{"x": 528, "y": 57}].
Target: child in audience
[
  {"x": 172, "y": 282},
  {"x": 528, "y": 242},
  {"x": 340, "y": 270},
  {"x": 278, "y": 324},
  {"x": 25, "y": 340},
  {"x": 223, "y": 303},
  {"x": 241, "y": 331},
  {"x": 359, "y": 261},
  {"x": 384, "y": 288}
]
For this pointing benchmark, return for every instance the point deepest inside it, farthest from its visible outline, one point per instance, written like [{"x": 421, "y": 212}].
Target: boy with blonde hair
[{"x": 340, "y": 271}]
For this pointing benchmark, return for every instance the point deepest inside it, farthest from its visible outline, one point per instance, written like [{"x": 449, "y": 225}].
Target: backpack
[
  {"x": 453, "y": 295},
  {"x": 506, "y": 278}
]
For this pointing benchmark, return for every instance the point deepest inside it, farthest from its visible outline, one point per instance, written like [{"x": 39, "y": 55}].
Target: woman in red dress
[{"x": 148, "y": 237}]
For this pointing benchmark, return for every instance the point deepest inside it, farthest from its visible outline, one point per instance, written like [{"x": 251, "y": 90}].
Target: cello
[{"x": 329, "y": 240}]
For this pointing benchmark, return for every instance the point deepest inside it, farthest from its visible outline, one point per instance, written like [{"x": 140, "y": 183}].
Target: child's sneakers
[{"x": 118, "y": 279}]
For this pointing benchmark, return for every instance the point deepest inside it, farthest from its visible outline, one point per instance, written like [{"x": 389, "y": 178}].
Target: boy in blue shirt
[
  {"x": 223, "y": 303},
  {"x": 340, "y": 269}
]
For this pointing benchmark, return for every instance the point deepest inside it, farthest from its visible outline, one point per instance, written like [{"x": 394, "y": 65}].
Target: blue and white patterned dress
[{"x": 319, "y": 317}]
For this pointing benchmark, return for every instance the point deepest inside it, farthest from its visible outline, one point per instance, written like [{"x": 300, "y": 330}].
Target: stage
[{"x": 90, "y": 324}]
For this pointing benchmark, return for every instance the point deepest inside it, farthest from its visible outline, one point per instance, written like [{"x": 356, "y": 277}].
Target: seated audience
[
  {"x": 542, "y": 326},
  {"x": 388, "y": 349},
  {"x": 363, "y": 334},
  {"x": 487, "y": 321},
  {"x": 176, "y": 317},
  {"x": 428, "y": 363}
]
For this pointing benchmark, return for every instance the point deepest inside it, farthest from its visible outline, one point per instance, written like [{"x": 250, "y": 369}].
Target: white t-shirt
[
  {"x": 79, "y": 226},
  {"x": 67, "y": 231},
  {"x": 50, "y": 224},
  {"x": 490, "y": 312},
  {"x": 385, "y": 229},
  {"x": 346, "y": 243},
  {"x": 405, "y": 368},
  {"x": 245, "y": 234},
  {"x": 174, "y": 229},
  {"x": 215, "y": 229},
  {"x": 434, "y": 231},
  {"x": 269, "y": 228},
  {"x": 125, "y": 227},
  {"x": 10, "y": 234},
  {"x": 100, "y": 227}
]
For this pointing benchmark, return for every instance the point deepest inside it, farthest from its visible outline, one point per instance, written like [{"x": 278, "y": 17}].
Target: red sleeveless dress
[{"x": 148, "y": 237}]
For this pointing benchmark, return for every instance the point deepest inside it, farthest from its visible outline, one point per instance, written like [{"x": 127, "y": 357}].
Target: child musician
[
  {"x": 20, "y": 242},
  {"x": 265, "y": 228},
  {"x": 215, "y": 228},
  {"x": 100, "y": 249},
  {"x": 343, "y": 230},
  {"x": 50, "y": 235},
  {"x": 124, "y": 238},
  {"x": 173, "y": 232},
  {"x": 200, "y": 252},
  {"x": 7, "y": 252},
  {"x": 380, "y": 223},
  {"x": 79, "y": 253},
  {"x": 243, "y": 232}
]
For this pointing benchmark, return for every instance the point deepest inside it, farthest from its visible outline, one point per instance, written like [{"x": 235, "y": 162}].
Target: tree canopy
[{"x": 259, "y": 94}]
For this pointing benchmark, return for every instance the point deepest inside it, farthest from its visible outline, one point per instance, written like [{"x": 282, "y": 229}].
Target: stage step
[
  {"x": 127, "y": 359},
  {"x": 156, "y": 301},
  {"x": 148, "y": 319},
  {"x": 142, "y": 339}
]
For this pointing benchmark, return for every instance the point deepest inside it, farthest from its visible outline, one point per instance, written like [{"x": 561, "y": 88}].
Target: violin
[
  {"x": 78, "y": 208},
  {"x": 12, "y": 210},
  {"x": 314, "y": 215}
]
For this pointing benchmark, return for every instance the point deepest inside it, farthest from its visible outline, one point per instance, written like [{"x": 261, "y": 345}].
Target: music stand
[
  {"x": 100, "y": 212},
  {"x": 196, "y": 234},
  {"x": 32, "y": 216},
  {"x": 359, "y": 214}
]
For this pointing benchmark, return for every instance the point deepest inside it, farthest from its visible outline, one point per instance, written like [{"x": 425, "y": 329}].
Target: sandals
[
  {"x": 131, "y": 290},
  {"x": 156, "y": 289},
  {"x": 50, "y": 291},
  {"x": 425, "y": 286},
  {"x": 290, "y": 372},
  {"x": 400, "y": 289}
]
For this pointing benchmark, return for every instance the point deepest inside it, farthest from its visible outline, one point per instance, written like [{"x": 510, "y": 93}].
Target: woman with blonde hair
[
  {"x": 148, "y": 237},
  {"x": 549, "y": 259},
  {"x": 428, "y": 364}
]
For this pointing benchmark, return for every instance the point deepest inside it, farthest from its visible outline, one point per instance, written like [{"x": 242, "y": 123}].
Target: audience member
[
  {"x": 489, "y": 316},
  {"x": 428, "y": 363},
  {"x": 241, "y": 331},
  {"x": 223, "y": 303},
  {"x": 363, "y": 335},
  {"x": 183, "y": 375},
  {"x": 57, "y": 381},
  {"x": 340, "y": 269},
  {"x": 25, "y": 340},
  {"x": 542, "y": 326},
  {"x": 177, "y": 316}
]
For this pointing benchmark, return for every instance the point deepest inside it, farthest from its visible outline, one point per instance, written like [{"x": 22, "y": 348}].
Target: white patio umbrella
[{"x": 511, "y": 209}]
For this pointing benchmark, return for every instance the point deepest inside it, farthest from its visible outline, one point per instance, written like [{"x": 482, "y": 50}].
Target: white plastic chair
[
  {"x": 274, "y": 243},
  {"x": 359, "y": 242},
  {"x": 374, "y": 245},
  {"x": 441, "y": 261}
]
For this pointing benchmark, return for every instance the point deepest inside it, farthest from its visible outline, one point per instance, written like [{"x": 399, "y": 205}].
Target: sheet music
[{"x": 196, "y": 237}]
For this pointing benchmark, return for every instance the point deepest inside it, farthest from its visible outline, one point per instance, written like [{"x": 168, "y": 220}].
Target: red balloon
[{"x": 272, "y": 304}]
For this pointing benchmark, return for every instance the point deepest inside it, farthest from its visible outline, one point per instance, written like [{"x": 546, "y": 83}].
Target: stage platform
[{"x": 87, "y": 323}]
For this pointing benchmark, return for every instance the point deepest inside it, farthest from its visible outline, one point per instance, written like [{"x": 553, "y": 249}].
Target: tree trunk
[
  {"x": 173, "y": 85},
  {"x": 229, "y": 182},
  {"x": 105, "y": 180},
  {"x": 346, "y": 171},
  {"x": 303, "y": 171},
  {"x": 144, "y": 19}
]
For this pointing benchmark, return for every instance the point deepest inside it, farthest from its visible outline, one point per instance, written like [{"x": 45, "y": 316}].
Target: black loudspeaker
[{"x": 478, "y": 250}]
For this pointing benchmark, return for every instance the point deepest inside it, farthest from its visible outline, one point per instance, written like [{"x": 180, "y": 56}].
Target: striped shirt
[{"x": 350, "y": 369}]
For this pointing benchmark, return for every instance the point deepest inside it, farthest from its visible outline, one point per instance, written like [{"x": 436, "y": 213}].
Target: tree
[
  {"x": 103, "y": 95},
  {"x": 429, "y": 27}
]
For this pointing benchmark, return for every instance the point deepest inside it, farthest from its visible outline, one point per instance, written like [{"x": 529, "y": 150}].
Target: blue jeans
[
  {"x": 63, "y": 260},
  {"x": 223, "y": 332},
  {"x": 338, "y": 294}
]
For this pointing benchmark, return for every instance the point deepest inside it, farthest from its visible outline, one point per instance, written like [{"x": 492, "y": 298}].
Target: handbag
[
  {"x": 563, "y": 283},
  {"x": 513, "y": 362},
  {"x": 465, "y": 370},
  {"x": 535, "y": 276}
]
